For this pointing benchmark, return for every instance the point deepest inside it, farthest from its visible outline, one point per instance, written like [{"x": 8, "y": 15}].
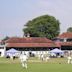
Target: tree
[
  {"x": 43, "y": 26},
  {"x": 6, "y": 38},
  {"x": 3, "y": 40},
  {"x": 69, "y": 29}
]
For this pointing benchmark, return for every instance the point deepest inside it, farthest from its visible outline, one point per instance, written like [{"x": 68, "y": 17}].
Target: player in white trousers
[
  {"x": 23, "y": 59},
  {"x": 69, "y": 60}
]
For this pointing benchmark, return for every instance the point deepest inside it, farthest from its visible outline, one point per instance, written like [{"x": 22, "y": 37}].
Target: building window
[
  {"x": 0, "y": 53},
  {"x": 62, "y": 40},
  {"x": 1, "y": 47},
  {"x": 69, "y": 40}
]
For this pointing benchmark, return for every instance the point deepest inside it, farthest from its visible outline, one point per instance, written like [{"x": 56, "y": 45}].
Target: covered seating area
[
  {"x": 12, "y": 53},
  {"x": 56, "y": 53}
]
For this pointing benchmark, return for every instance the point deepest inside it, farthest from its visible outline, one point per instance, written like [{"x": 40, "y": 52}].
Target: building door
[{"x": 0, "y": 53}]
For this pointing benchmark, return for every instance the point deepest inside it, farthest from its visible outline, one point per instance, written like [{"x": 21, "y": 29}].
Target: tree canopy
[
  {"x": 4, "y": 39},
  {"x": 69, "y": 29},
  {"x": 43, "y": 26}
]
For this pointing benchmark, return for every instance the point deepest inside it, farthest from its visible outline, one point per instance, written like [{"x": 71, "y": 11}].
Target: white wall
[
  {"x": 2, "y": 50},
  {"x": 36, "y": 53}
]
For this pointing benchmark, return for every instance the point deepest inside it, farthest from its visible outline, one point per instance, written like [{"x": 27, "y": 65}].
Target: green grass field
[{"x": 53, "y": 65}]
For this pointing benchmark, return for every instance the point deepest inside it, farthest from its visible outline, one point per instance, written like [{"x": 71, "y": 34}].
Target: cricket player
[
  {"x": 47, "y": 58},
  {"x": 42, "y": 57},
  {"x": 69, "y": 60},
  {"x": 23, "y": 59}
]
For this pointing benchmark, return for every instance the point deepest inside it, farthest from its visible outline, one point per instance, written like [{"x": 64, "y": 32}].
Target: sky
[{"x": 14, "y": 14}]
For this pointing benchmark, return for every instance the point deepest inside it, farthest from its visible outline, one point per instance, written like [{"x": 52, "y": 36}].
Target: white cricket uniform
[
  {"x": 23, "y": 59},
  {"x": 42, "y": 57},
  {"x": 69, "y": 60},
  {"x": 47, "y": 58}
]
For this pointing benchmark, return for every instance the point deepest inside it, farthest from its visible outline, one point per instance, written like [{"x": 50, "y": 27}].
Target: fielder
[
  {"x": 47, "y": 58},
  {"x": 69, "y": 60},
  {"x": 42, "y": 57},
  {"x": 23, "y": 59}
]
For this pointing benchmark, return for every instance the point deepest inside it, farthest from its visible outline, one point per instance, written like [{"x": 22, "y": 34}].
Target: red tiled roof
[
  {"x": 66, "y": 35},
  {"x": 58, "y": 44},
  {"x": 66, "y": 43},
  {"x": 28, "y": 40},
  {"x": 30, "y": 45}
]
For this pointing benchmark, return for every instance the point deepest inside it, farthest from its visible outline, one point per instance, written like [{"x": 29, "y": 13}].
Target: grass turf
[{"x": 15, "y": 66}]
